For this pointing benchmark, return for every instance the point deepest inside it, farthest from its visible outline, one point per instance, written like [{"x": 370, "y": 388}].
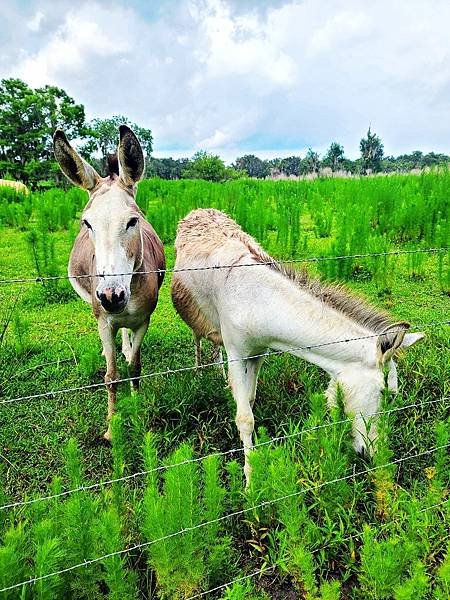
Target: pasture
[{"x": 318, "y": 521}]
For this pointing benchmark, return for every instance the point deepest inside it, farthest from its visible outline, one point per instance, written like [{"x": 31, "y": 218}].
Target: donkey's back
[{"x": 207, "y": 238}]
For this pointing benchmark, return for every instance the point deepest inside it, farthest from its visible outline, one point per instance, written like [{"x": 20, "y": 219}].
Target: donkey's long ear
[
  {"x": 72, "y": 165},
  {"x": 390, "y": 340},
  {"x": 131, "y": 157}
]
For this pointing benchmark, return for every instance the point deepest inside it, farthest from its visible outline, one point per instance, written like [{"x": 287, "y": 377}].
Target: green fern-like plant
[
  {"x": 121, "y": 583},
  {"x": 13, "y": 564},
  {"x": 79, "y": 512},
  {"x": 48, "y": 557}
]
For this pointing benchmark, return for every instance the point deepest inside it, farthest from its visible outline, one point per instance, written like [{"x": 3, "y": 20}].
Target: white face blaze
[{"x": 114, "y": 230}]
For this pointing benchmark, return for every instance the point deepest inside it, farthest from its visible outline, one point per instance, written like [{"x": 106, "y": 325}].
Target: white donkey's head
[{"x": 111, "y": 216}]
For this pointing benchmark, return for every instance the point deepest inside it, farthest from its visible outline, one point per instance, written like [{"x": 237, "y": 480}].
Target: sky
[{"x": 235, "y": 77}]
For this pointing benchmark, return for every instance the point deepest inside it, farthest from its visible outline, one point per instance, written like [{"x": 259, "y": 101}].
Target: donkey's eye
[
  {"x": 132, "y": 222},
  {"x": 88, "y": 225}
]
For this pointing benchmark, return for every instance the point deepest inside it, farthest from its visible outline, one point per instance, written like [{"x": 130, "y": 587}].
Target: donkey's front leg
[
  {"x": 135, "y": 356},
  {"x": 243, "y": 377},
  {"x": 126, "y": 344},
  {"x": 107, "y": 335}
]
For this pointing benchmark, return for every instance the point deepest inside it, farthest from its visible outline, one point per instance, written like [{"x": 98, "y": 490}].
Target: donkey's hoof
[{"x": 107, "y": 436}]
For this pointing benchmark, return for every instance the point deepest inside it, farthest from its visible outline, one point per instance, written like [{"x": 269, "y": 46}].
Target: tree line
[
  {"x": 29, "y": 117},
  {"x": 372, "y": 160}
]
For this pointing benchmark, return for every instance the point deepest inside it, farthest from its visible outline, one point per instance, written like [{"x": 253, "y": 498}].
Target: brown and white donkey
[{"x": 119, "y": 248}]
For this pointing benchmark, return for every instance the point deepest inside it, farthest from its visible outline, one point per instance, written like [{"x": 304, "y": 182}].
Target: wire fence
[
  {"x": 92, "y": 386},
  {"x": 312, "y": 259},
  {"x": 270, "y": 569},
  {"x": 224, "y": 517},
  {"x": 138, "y": 474},
  {"x": 133, "y": 476}
]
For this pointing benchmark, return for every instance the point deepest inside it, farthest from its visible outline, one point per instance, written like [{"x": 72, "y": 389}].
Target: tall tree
[
  {"x": 166, "y": 168},
  {"x": 292, "y": 165},
  {"x": 28, "y": 119},
  {"x": 334, "y": 157},
  {"x": 252, "y": 165},
  {"x": 372, "y": 151},
  {"x": 103, "y": 137},
  {"x": 210, "y": 167},
  {"x": 312, "y": 161}
]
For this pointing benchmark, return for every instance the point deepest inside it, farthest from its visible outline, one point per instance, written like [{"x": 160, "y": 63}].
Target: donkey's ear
[
  {"x": 412, "y": 338},
  {"x": 72, "y": 165},
  {"x": 131, "y": 157},
  {"x": 390, "y": 340}
]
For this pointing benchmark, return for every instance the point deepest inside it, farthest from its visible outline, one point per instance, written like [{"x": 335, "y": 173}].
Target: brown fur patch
[
  {"x": 191, "y": 313},
  {"x": 204, "y": 230}
]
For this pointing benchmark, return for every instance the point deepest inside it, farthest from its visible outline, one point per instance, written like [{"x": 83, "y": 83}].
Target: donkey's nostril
[{"x": 112, "y": 299}]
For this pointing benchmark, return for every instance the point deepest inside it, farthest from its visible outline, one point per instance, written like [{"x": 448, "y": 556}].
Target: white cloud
[
  {"x": 34, "y": 24},
  {"x": 80, "y": 40},
  {"x": 234, "y": 76}
]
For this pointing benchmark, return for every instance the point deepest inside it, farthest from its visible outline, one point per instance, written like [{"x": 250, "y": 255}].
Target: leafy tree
[
  {"x": 372, "y": 151},
  {"x": 28, "y": 119},
  {"x": 292, "y": 165},
  {"x": 312, "y": 161},
  {"x": 252, "y": 165},
  {"x": 274, "y": 163},
  {"x": 166, "y": 168},
  {"x": 334, "y": 157},
  {"x": 210, "y": 167},
  {"x": 103, "y": 137},
  {"x": 432, "y": 159}
]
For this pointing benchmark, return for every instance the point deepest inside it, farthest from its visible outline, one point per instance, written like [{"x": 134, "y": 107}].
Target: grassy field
[{"x": 372, "y": 536}]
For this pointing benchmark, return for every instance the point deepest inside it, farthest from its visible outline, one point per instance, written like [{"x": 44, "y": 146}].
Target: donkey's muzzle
[{"x": 113, "y": 300}]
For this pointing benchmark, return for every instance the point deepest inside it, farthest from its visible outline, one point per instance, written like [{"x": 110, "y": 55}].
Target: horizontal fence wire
[
  {"x": 92, "y": 386},
  {"x": 132, "y": 476},
  {"x": 260, "y": 572},
  {"x": 312, "y": 259},
  {"x": 139, "y": 546},
  {"x": 271, "y": 569}
]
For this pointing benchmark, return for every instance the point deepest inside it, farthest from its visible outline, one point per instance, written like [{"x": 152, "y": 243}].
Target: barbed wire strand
[
  {"x": 311, "y": 259},
  {"x": 91, "y": 386},
  {"x": 268, "y": 570},
  {"x": 87, "y": 562},
  {"x": 261, "y": 572},
  {"x": 265, "y": 570},
  {"x": 93, "y": 486}
]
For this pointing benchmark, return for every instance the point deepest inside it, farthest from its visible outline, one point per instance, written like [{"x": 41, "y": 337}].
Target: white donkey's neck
[{"x": 281, "y": 314}]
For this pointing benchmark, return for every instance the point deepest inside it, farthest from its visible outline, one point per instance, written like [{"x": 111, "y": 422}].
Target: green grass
[{"x": 51, "y": 343}]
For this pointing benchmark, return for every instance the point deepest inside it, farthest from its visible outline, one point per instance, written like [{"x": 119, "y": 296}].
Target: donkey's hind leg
[
  {"x": 126, "y": 344},
  {"x": 217, "y": 357},
  {"x": 198, "y": 350}
]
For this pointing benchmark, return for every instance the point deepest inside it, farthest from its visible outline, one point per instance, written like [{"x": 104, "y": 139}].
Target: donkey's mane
[
  {"x": 339, "y": 298},
  {"x": 113, "y": 164},
  {"x": 334, "y": 295}
]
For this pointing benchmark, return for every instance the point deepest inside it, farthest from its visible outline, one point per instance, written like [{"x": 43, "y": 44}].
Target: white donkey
[
  {"x": 114, "y": 242},
  {"x": 251, "y": 309}
]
